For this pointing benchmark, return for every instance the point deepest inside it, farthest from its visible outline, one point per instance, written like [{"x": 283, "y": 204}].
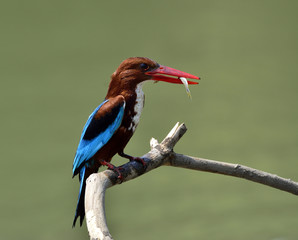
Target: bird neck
[{"x": 126, "y": 88}]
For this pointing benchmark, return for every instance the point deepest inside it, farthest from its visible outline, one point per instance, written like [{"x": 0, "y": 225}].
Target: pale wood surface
[{"x": 163, "y": 155}]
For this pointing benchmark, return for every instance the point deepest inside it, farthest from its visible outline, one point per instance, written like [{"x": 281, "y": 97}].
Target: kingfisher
[{"x": 111, "y": 125}]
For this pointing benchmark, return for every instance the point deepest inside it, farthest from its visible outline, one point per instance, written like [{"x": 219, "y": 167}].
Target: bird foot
[
  {"x": 131, "y": 158},
  {"x": 139, "y": 159},
  {"x": 113, "y": 168}
]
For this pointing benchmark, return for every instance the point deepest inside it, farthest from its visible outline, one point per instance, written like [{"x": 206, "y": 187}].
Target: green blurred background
[{"x": 56, "y": 61}]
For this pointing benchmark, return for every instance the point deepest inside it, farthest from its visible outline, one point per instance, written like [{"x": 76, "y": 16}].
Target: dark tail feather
[{"x": 80, "y": 211}]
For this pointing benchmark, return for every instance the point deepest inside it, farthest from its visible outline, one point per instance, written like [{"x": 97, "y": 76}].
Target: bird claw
[
  {"x": 113, "y": 168},
  {"x": 140, "y": 160},
  {"x": 131, "y": 158},
  {"x": 117, "y": 170}
]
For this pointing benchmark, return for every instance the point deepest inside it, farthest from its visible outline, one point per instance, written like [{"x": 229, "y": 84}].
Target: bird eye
[{"x": 144, "y": 66}]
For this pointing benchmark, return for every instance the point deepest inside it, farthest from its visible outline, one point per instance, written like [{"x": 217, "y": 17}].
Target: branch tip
[{"x": 153, "y": 143}]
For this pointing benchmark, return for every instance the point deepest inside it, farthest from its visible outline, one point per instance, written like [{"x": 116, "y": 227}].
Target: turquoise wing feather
[{"x": 97, "y": 131}]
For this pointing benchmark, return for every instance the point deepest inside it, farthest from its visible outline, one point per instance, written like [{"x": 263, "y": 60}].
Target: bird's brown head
[{"x": 135, "y": 70}]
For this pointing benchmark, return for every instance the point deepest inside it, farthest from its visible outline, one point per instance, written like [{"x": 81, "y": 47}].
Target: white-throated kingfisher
[{"x": 111, "y": 125}]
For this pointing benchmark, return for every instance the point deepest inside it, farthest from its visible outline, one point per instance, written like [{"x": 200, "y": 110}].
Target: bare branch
[
  {"x": 235, "y": 170},
  {"x": 159, "y": 155}
]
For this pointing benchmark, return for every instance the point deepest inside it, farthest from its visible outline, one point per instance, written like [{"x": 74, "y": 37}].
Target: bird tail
[{"x": 80, "y": 210}]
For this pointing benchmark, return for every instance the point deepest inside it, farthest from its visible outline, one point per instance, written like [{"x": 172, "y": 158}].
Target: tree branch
[{"x": 159, "y": 155}]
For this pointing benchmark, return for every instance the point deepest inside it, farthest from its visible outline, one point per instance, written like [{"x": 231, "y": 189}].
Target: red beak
[{"x": 156, "y": 75}]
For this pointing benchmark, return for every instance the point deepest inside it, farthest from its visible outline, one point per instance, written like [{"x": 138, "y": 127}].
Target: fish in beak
[{"x": 171, "y": 75}]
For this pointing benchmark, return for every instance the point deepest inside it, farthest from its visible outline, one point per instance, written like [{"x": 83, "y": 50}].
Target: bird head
[{"x": 135, "y": 70}]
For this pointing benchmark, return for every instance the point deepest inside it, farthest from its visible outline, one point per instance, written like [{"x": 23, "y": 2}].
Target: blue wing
[{"x": 98, "y": 130}]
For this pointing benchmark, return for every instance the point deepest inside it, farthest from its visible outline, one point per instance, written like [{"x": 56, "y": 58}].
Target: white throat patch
[{"x": 138, "y": 107}]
